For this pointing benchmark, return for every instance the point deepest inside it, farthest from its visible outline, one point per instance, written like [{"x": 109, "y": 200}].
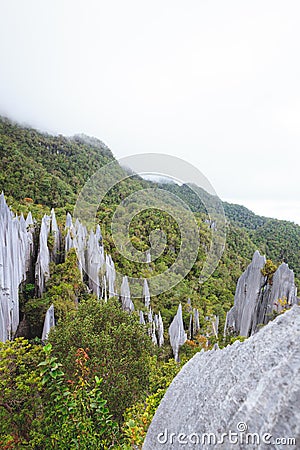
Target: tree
[
  {"x": 74, "y": 415},
  {"x": 20, "y": 388},
  {"x": 268, "y": 270},
  {"x": 119, "y": 350},
  {"x": 64, "y": 288},
  {"x": 41, "y": 408}
]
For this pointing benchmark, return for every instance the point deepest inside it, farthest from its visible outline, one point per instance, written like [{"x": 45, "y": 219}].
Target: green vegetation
[
  {"x": 64, "y": 289},
  {"x": 278, "y": 239},
  {"x": 75, "y": 414},
  {"x": 100, "y": 381},
  {"x": 138, "y": 417},
  {"x": 41, "y": 408},
  {"x": 20, "y": 387},
  {"x": 118, "y": 347},
  {"x": 44, "y": 169},
  {"x": 269, "y": 270},
  {"x": 40, "y": 171}
]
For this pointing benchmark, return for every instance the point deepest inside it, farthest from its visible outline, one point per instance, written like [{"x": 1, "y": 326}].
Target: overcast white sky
[{"x": 214, "y": 82}]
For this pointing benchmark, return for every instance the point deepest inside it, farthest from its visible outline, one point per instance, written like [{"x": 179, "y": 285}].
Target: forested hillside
[
  {"x": 39, "y": 171},
  {"x": 278, "y": 239},
  {"x": 95, "y": 338},
  {"x": 48, "y": 169}
]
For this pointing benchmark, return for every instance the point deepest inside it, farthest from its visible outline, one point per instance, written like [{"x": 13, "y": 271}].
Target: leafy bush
[
  {"x": 41, "y": 409},
  {"x": 20, "y": 388},
  {"x": 64, "y": 289},
  {"x": 138, "y": 418},
  {"x": 119, "y": 350},
  {"x": 75, "y": 414}
]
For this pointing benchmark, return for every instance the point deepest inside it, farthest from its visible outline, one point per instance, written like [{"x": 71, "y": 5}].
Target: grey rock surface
[
  {"x": 127, "y": 303},
  {"x": 177, "y": 333},
  {"x": 255, "y": 300},
  {"x": 79, "y": 242},
  {"x": 95, "y": 260},
  {"x": 248, "y": 289},
  {"x": 254, "y": 385},
  {"x": 49, "y": 322},
  {"x": 16, "y": 247},
  {"x": 153, "y": 333},
  {"x": 110, "y": 276},
  {"x": 55, "y": 231},
  {"x": 160, "y": 330},
  {"x": 142, "y": 318},
  {"x": 146, "y": 294},
  {"x": 42, "y": 266}
]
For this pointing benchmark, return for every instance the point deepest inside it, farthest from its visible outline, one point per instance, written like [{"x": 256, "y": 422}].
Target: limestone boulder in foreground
[{"x": 249, "y": 389}]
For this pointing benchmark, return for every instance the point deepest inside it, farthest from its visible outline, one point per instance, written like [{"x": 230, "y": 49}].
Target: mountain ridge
[{"x": 39, "y": 168}]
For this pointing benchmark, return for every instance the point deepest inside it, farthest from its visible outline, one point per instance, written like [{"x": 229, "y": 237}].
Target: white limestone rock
[
  {"x": 110, "y": 276},
  {"x": 177, "y": 333},
  {"x": 79, "y": 242},
  {"x": 194, "y": 325},
  {"x": 160, "y": 331},
  {"x": 146, "y": 294},
  {"x": 215, "y": 326},
  {"x": 150, "y": 315},
  {"x": 16, "y": 251},
  {"x": 246, "y": 297},
  {"x": 127, "y": 303},
  {"x": 42, "y": 270},
  {"x": 142, "y": 318},
  {"x": 283, "y": 288},
  {"x": 49, "y": 322},
  {"x": 95, "y": 260},
  {"x": 255, "y": 383},
  {"x": 255, "y": 300},
  {"x": 153, "y": 333},
  {"x": 69, "y": 222},
  {"x": 55, "y": 231}
]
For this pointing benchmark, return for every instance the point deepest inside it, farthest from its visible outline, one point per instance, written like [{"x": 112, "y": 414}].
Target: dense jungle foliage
[{"x": 98, "y": 382}]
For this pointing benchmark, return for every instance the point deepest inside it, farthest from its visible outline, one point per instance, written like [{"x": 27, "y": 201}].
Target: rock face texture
[
  {"x": 255, "y": 299},
  {"x": 26, "y": 259},
  {"x": 94, "y": 264},
  {"x": 110, "y": 278},
  {"x": 177, "y": 333},
  {"x": 160, "y": 330},
  {"x": 251, "y": 389},
  {"x": 42, "y": 270},
  {"x": 146, "y": 294},
  {"x": 56, "y": 235},
  {"x": 21, "y": 258},
  {"x": 127, "y": 303},
  {"x": 16, "y": 247},
  {"x": 49, "y": 322}
]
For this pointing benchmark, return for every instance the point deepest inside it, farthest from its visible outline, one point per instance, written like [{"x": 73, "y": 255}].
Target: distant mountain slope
[
  {"x": 48, "y": 169},
  {"x": 278, "y": 239},
  {"x": 243, "y": 217},
  {"x": 52, "y": 169}
]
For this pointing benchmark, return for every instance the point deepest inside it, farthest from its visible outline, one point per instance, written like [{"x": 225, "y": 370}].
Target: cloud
[{"x": 215, "y": 83}]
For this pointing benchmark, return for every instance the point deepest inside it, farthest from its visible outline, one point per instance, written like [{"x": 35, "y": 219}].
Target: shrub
[{"x": 119, "y": 350}]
